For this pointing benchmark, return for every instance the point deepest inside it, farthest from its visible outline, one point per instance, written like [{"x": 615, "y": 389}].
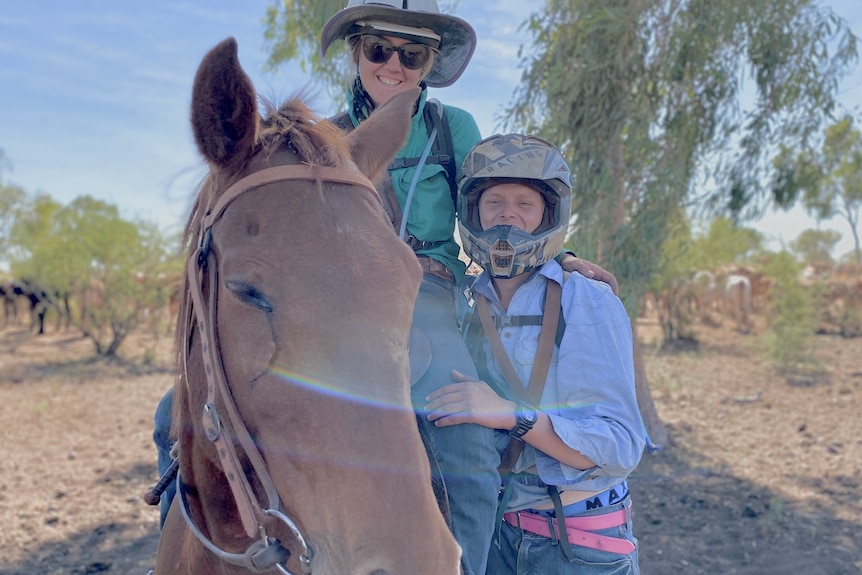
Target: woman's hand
[
  {"x": 590, "y": 270},
  {"x": 469, "y": 401}
]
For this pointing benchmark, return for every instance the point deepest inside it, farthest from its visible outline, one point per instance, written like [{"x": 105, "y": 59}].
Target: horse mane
[{"x": 292, "y": 126}]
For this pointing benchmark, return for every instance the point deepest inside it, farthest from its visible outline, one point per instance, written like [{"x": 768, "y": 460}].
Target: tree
[
  {"x": 831, "y": 182},
  {"x": 646, "y": 99},
  {"x": 293, "y": 33},
  {"x": 640, "y": 94},
  {"x": 726, "y": 242},
  {"x": 815, "y": 246},
  {"x": 108, "y": 265},
  {"x": 794, "y": 318},
  {"x": 11, "y": 200}
]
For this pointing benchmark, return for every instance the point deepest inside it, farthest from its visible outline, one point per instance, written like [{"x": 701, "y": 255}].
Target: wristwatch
[{"x": 527, "y": 416}]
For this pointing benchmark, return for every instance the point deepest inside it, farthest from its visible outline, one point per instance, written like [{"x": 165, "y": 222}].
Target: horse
[{"x": 298, "y": 449}]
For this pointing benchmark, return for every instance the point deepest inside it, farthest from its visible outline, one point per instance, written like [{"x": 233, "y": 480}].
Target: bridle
[{"x": 264, "y": 552}]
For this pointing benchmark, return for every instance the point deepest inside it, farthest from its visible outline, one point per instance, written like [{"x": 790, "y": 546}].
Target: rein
[{"x": 265, "y": 552}]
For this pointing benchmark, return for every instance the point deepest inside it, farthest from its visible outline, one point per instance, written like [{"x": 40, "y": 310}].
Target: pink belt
[{"x": 578, "y": 529}]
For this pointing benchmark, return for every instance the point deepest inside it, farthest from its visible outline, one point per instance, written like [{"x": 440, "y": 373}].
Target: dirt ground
[{"x": 761, "y": 476}]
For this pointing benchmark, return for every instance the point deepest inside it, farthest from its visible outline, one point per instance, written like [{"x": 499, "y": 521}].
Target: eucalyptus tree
[
  {"x": 829, "y": 179},
  {"x": 657, "y": 104},
  {"x": 109, "y": 266},
  {"x": 667, "y": 103},
  {"x": 815, "y": 246},
  {"x": 12, "y": 198}
]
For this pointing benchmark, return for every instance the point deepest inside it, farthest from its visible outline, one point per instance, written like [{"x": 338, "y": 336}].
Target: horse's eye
[{"x": 249, "y": 295}]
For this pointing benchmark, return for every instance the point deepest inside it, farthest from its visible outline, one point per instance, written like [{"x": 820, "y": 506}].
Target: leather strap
[
  {"x": 532, "y": 394},
  {"x": 312, "y": 172},
  {"x": 225, "y": 435}
]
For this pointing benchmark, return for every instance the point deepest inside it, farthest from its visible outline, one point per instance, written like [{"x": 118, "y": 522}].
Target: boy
[{"x": 575, "y": 431}]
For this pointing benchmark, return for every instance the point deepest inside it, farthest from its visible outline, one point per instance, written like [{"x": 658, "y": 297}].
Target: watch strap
[{"x": 523, "y": 423}]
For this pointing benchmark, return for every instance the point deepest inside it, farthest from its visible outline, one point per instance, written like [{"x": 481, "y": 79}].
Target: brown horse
[{"x": 298, "y": 449}]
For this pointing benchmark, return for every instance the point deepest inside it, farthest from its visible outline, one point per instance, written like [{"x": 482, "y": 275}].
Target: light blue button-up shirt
[{"x": 589, "y": 393}]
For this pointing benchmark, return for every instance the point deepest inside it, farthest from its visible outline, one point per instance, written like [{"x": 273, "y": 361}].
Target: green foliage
[
  {"x": 841, "y": 192},
  {"x": 111, "y": 268},
  {"x": 815, "y": 246},
  {"x": 293, "y": 33},
  {"x": 646, "y": 97},
  {"x": 670, "y": 283},
  {"x": 829, "y": 181},
  {"x": 11, "y": 200},
  {"x": 685, "y": 253},
  {"x": 726, "y": 242},
  {"x": 794, "y": 317}
]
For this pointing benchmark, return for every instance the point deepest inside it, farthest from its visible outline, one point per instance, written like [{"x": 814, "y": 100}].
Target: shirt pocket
[{"x": 524, "y": 350}]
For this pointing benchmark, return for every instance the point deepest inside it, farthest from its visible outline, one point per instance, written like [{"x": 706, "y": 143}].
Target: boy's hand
[{"x": 469, "y": 401}]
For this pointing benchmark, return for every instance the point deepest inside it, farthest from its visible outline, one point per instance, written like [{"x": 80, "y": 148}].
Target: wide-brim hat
[{"x": 457, "y": 37}]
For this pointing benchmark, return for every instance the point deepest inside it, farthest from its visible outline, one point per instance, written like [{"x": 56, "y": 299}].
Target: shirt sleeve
[{"x": 592, "y": 403}]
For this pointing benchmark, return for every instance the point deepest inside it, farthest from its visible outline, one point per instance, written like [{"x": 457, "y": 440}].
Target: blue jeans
[
  {"x": 524, "y": 553},
  {"x": 163, "y": 443},
  {"x": 466, "y": 453}
]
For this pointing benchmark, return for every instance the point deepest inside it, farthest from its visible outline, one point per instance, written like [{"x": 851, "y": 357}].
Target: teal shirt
[{"x": 431, "y": 216}]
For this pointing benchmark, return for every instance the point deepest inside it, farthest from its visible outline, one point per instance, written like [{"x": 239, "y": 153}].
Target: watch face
[{"x": 527, "y": 415}]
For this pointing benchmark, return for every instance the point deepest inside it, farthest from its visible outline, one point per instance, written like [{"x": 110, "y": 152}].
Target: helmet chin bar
[{"x": 502, "y": 259}]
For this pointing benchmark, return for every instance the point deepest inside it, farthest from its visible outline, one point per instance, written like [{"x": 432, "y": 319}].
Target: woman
[
  {"x": 396, "y": 49},
  {"x": 396, "y": 46}
]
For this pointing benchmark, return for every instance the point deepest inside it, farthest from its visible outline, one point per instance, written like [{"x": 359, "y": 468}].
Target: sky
[{"x": 95, "y": 95}]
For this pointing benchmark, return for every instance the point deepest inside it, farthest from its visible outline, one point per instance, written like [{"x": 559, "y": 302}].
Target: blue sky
[{"x": 95, "y": 94}]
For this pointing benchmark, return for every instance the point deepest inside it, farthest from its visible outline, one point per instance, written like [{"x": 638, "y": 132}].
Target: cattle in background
[
  {"x": 10, "y": 303},
  {"x": 708, "y": 296},
  {"x": 737, "y": 301},
  {"x": 839, "y": 291},
  {"x": 39, "y": 302}
]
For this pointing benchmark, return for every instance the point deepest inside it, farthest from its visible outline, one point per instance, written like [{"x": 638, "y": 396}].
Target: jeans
[
  {"x": 467, "y": 454},
  {"x": 524, "y": 553},
  {"x": 163, "y": 443}
]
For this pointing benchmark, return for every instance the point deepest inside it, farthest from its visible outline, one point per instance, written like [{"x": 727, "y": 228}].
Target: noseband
[{"x": 264, "y": 552}]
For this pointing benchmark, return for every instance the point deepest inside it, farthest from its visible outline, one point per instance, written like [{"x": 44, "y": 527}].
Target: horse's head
[{"x": 293, "y": 384}]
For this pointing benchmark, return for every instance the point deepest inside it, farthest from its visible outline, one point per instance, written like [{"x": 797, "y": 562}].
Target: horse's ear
[
  {"x": 376, "y": 141},
  {"x": 224, "y": 107}
]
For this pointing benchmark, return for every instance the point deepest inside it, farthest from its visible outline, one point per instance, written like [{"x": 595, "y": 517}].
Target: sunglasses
[{"x": 378, "y": 50}]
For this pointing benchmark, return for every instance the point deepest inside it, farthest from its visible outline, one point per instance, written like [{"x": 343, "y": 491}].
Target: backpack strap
[
  {"x": 384, "y": 186},
  {"x": 442, "y": 150},
  {"x": 532, "y": 393},
  {"x": 473, "y": 333},
  {"x": 446, "y": 150}
]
